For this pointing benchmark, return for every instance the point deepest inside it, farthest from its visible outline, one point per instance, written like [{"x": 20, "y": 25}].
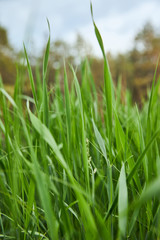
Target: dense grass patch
[{"x": 75, "y": 168}]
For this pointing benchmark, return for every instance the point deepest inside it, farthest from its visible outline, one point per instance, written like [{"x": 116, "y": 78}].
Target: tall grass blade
[
  {"x": 45, "y": 95},
  {"x": 31, "y": 78},
  {"x": 122, "y": 202},
  {"x": 68, "y": 111},
  {"x": 84, "y": 148},
  {"x": 108, "y": 86}
]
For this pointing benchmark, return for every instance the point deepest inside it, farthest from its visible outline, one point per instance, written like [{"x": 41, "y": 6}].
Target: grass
[{"x": 70, "y": 169}]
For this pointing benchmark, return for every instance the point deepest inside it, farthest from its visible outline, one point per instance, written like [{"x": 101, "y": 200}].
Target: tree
[
  {"x": 7, "y": 62},
  {"x": 3, "y": 37},
  {"x": 144, "y": 57}
]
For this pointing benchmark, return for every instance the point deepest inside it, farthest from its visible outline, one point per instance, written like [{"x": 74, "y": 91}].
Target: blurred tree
[
  {"x": 137, "y": 67},
  {"x": 73, "y": 54},
  {"x": 144, "y": 57},
  {"x": 7, "y": 60},
  {"x": 3, "y": 37},
  {"x": 82, "y": 49},
  {"x": 145, "y": 37},
  {"x": 59, "y": 51}
]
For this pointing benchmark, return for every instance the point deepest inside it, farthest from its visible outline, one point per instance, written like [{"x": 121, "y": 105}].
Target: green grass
[{"x": 75, "y": 168}]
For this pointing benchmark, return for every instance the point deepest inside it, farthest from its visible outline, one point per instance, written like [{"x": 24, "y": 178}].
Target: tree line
[{"x": 135, "y": 68}]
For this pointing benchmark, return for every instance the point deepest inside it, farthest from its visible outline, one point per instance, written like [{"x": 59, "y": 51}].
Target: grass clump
[{"x": 69, "y": 172}]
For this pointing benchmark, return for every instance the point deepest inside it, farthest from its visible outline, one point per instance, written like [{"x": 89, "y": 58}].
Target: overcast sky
[{"x": 117, "y": 20}]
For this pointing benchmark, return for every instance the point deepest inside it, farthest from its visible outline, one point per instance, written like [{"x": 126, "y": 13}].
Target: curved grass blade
[{"x": 108, "y": 85}]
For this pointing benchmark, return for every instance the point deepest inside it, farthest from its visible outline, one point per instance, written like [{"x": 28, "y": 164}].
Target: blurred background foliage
[{"x": 135, "y": 68}]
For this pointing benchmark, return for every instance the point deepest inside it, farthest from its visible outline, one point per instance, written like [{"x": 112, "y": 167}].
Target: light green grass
[{"x": 74, "y": 168}]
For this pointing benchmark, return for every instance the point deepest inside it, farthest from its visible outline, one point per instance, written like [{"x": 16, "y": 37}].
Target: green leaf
[
  {"x": 45, "y": 95},
  {"x": 122, "y": 202},
  {"x": 68, "y": 110},
  {"x": 108, "y": 84},
  {"x": 84, "y": 148}
]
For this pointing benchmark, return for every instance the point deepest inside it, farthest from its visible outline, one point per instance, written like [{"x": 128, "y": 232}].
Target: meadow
[{"x": 74, "y": 167}]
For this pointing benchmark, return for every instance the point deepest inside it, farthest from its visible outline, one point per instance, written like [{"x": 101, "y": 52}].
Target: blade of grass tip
[
  {"x": 84, "y": 148},
  {"x": 68, "y": 110},
  {"x": 45, "y": 95},
  {"x": 122, "y": 202},
  {"x": 31, "y": 78},
  {"x": 107, "y": 83}
]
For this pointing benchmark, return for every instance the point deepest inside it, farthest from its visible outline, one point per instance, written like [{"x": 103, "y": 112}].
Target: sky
[{"x": 117, "y": 20}]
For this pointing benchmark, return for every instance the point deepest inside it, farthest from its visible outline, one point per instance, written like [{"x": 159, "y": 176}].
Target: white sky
[{"x": 117, "y": 20}]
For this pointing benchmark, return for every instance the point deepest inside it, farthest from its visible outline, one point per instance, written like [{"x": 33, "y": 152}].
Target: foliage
[
  {"x": 7, "y": 63},
  {"x": 72, "y": 170},
  {"x": 135, "y": 68}
]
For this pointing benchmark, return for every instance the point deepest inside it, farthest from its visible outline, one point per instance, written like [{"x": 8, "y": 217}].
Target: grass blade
[
  {"x": 122, "y": 202},
  {"x": 84, "y": 148},
  {"x": 45, "y": 95},
  {"x": 108, "y": 84},
  {"x": 31, "y": 78}
]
